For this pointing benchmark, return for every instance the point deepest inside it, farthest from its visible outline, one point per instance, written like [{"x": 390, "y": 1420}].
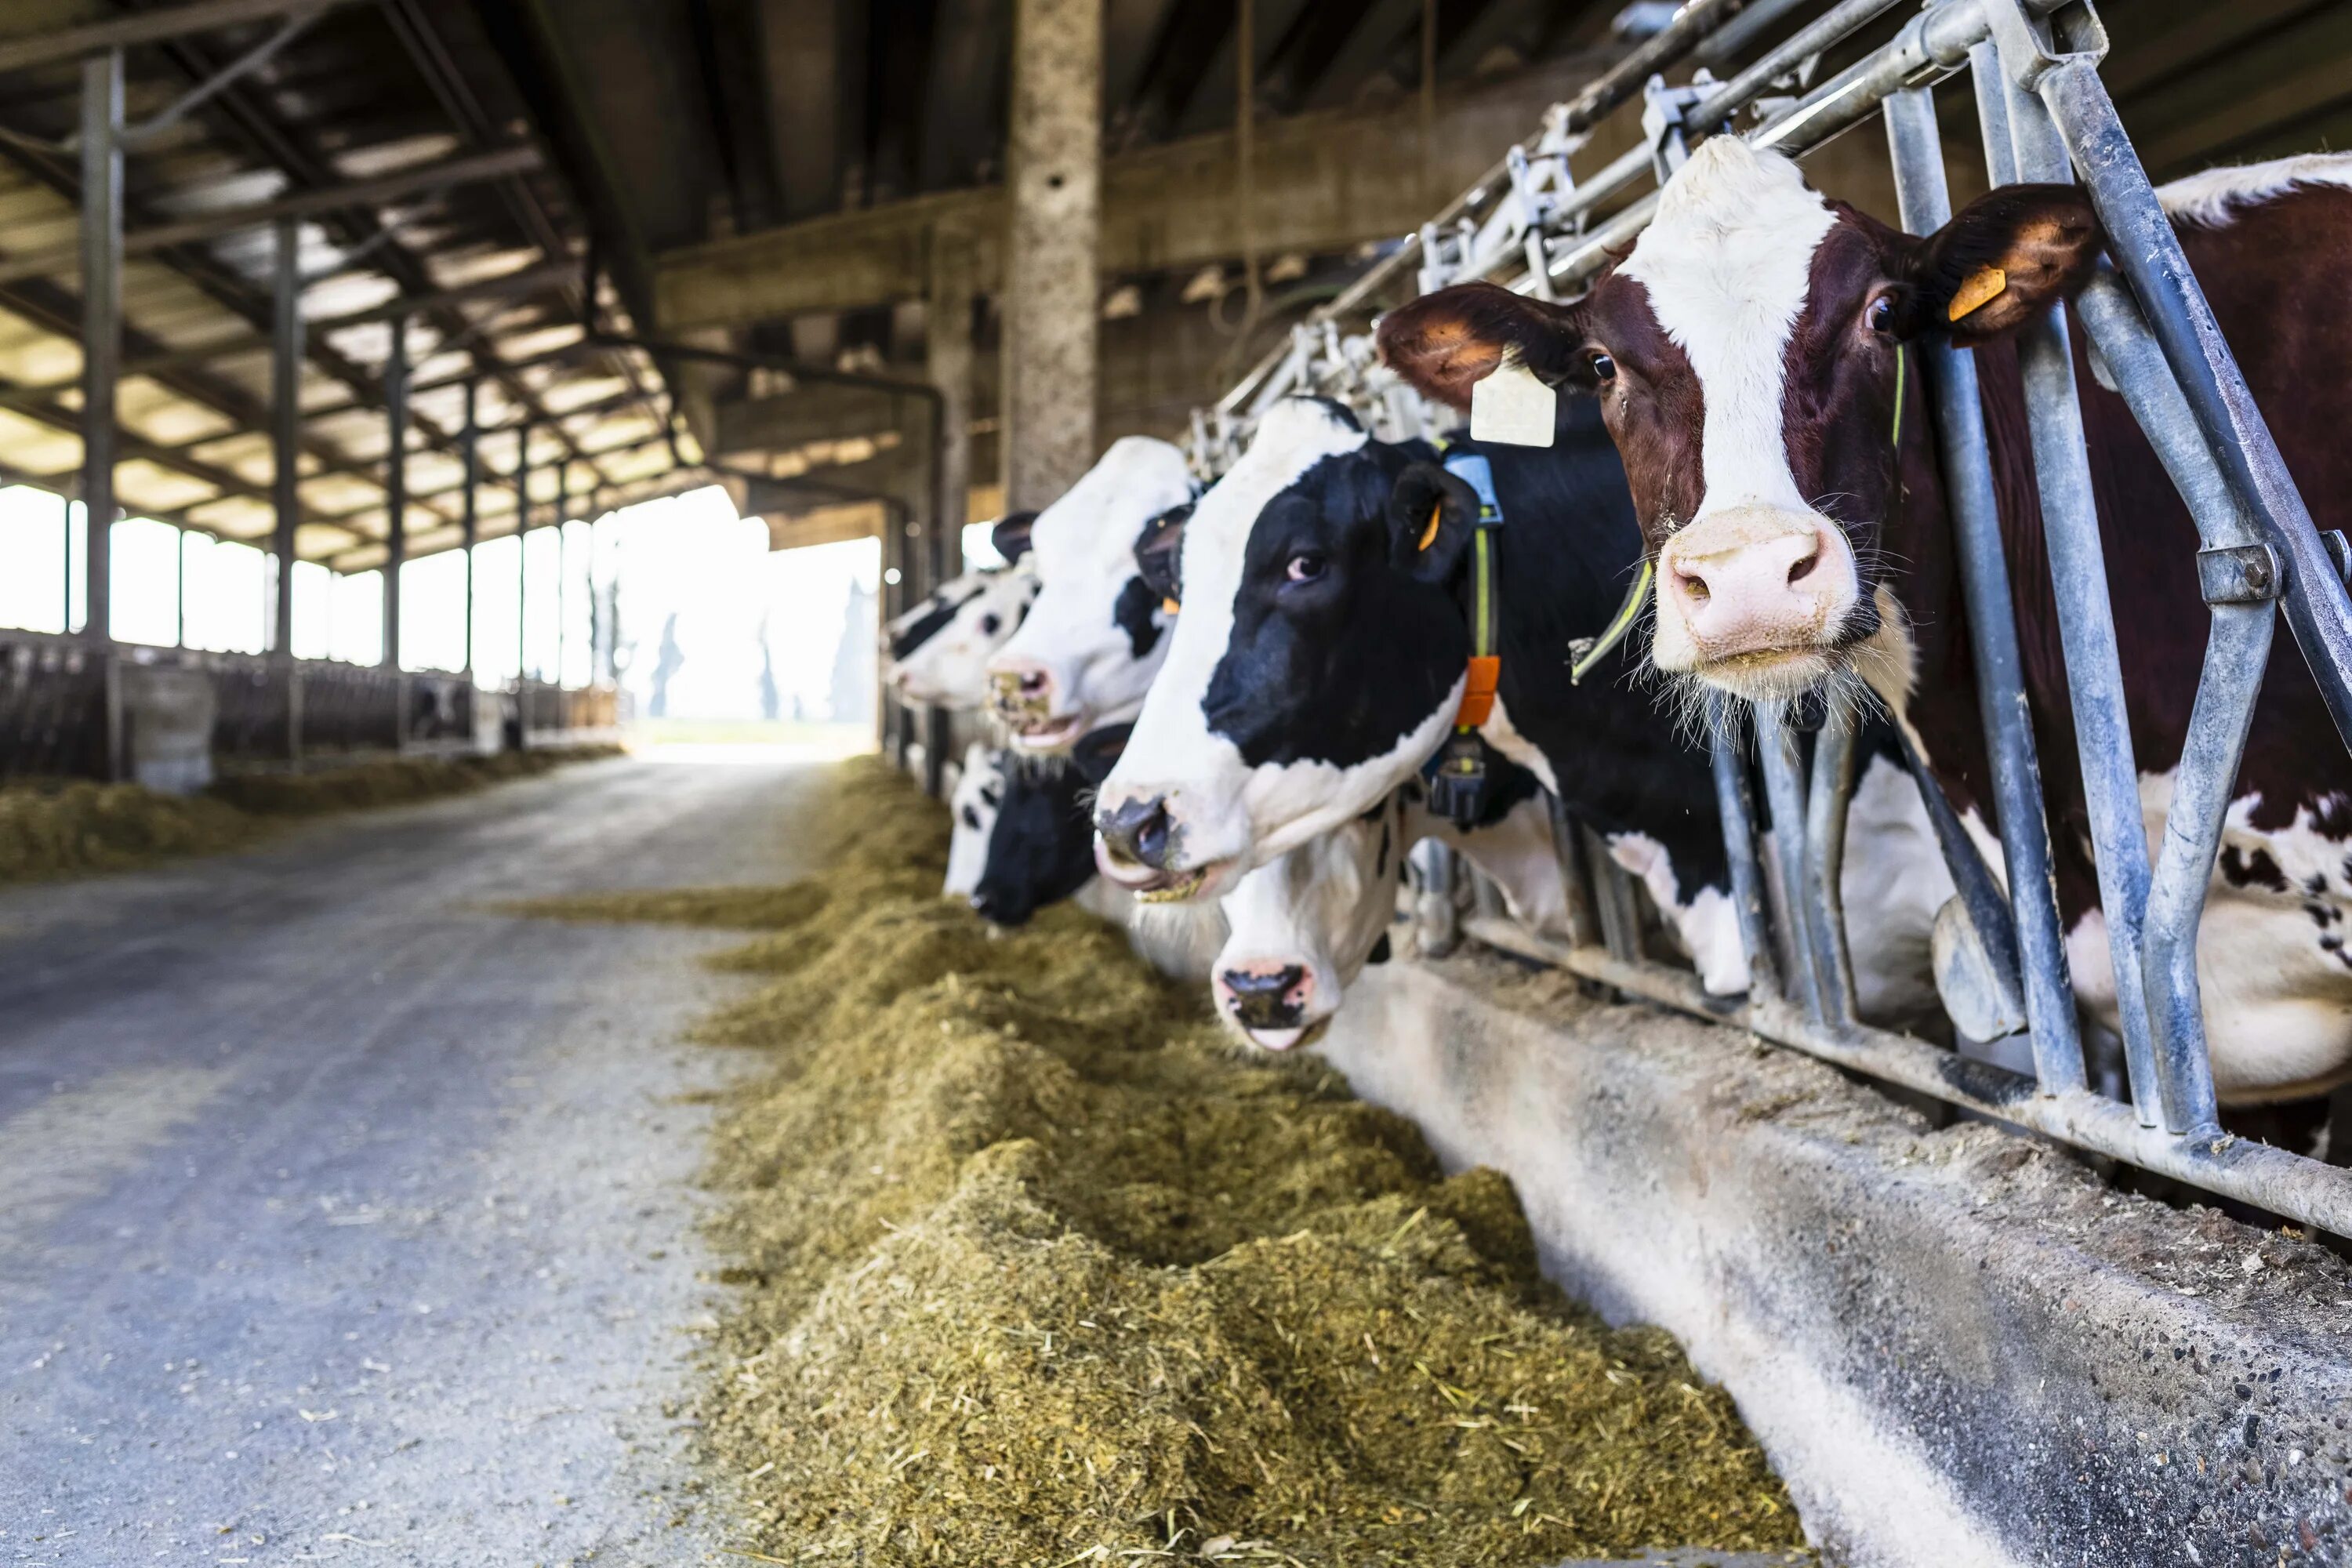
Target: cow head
[
  {"x": 1318, "y": 658},
  {"x": 1040, "y": 848},
  {"x": 1093, "y": 639},
  {"x": 972, "y": 810},
  {"x": 1745, "y": 354},
  {"x": 1302, "y": 927},
  {"x": 938, "y": 651}
]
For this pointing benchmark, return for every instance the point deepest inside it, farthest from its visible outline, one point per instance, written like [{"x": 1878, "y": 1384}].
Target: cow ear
[
  {"x": 2002, "y": 261},
  {"x": 1011, "y": 535},
  {"x": 1445, "y": 344},
  {"x": 1430, "y": 516},
  {"x": 1159, "y": 559},
  {"x": 1096, "y": 752}
]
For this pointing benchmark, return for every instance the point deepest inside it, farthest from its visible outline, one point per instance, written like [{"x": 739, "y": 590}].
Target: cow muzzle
[
  {"x": 1755, "y": 600},
  {"x": 1271, "y": 1004},
  {"x": 1140, "y": 844},
  {"x": 1022, "y": 694}
]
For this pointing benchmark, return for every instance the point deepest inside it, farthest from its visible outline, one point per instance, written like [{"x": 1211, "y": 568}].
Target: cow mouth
[
  {"x": 1047, "y": 735},
  {"x": 1769, "y": 674},
  {"x": 1289, "y": 1040},
  {"x": 1151, "y": 885}
]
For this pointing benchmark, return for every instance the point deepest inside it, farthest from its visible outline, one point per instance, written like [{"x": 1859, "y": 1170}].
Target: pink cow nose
[
  {"x": 1750, "y": 594},
  {"x": 1021, "y": 690}
]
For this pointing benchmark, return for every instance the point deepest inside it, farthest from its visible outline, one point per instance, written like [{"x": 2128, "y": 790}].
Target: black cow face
[{"x": 1042, "y": 850}]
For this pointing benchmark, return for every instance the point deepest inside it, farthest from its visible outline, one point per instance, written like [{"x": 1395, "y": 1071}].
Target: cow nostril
[
  {"x": 1803, "y": 566},
  {"x": 1139, "y": 830},
  {"x": 1693, "y": 586}
]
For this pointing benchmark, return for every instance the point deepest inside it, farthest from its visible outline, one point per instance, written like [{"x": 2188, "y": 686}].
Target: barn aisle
[{"x": 345, "y": 1221}]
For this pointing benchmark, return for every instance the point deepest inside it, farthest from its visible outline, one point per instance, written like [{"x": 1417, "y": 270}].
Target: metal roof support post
[
  {"x": 947, "y": 337},
  {"x": 102, "y": 304},
  {"x": 471, "y": 525},
  {"x": 522, "y": 572},
  {"x": 285, "y": 422},
  {"x": 396, "y": 488},
  {"x": 65, "y": 604},
  {"x": 1924, "y": 199},
  {"x": 563, "y": 510}
]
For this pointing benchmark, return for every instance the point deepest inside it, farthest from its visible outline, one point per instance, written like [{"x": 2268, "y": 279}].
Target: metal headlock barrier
[{"x": 2044, "y": 115}]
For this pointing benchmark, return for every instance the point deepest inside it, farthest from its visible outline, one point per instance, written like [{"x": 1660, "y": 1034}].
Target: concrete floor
[{"x": 343, "y": 1222}]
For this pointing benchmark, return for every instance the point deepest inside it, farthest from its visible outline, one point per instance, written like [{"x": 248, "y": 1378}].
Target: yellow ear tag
[
  {"x": 1429, "y": 534},
  {"x": 1983, "y": 285},
  {"x": 1171, "y": 606}
]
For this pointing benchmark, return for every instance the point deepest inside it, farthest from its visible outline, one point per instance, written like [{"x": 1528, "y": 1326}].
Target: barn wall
[{"x": 1957, "y": 1345}]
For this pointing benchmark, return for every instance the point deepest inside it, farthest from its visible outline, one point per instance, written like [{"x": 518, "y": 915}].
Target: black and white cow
[
  {"x": 1746, "y": 355},
  {"x": 972, "y": 810},
  {"x": 1301, "y": 928},
  {"x": 938, "y": 652},
  {"x": 1093, "y": 639}
]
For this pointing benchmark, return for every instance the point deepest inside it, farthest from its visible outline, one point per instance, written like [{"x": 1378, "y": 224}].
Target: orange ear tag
[
  {"x": 1171, "y": 606},
  {"x": 1429, "y": 534},
  {"x": 1983, "y": 286}
]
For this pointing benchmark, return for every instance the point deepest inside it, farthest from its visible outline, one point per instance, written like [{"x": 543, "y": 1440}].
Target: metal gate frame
[{"x": 2044, "y": 114}]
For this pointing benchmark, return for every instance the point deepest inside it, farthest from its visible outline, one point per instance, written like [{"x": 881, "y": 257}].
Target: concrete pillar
[
  {"x": 1051, "y": 282},
  {"x": 472, "y": 524}
]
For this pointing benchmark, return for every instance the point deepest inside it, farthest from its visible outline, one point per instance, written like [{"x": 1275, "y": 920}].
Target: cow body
[
  {"x": 1747, "y": 357},
  {"x": 1093, "y": 637}
]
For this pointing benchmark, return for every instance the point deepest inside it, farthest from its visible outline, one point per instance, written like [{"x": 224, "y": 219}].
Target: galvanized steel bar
[
  {"x": 286, "y": 424},
  {"x": 1925, "y": 206},
  {"x": 1735, "y": 804},
  {"x": 1619, "y": 912},
  {"x": 1575, "y": 874},
  {"x": 2140, "y": 239},
  {"x": 1827, "y": 799},
  {"x": 101, "y": 306},
  {"x": 2078, "y": 577},
  {"x": 1778, "y": 756}
]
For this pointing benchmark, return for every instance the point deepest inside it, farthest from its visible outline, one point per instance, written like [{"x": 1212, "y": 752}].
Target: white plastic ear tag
[{"x": 1510, "y": 406}]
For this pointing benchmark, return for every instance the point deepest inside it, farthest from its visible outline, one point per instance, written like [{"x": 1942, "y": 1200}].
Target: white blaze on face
[
  {"x": 1726, "y": 266},
  {"x": 1083, "y": 549},
  {"x": 1726, "y": 263},
  {"x": 973, "y": 806},
  {"x": 1320, "y": 910},
  {"x": 950, "y": 668},
  {"x": 1224, "y": 809}
]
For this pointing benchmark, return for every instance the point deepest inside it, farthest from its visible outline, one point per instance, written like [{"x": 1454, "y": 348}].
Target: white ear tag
[{"x": 1512, "y": 406}]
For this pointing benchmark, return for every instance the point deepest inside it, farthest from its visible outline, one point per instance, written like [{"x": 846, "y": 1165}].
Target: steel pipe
[
  {"x": 102, "y": 336},
  {"x": 2078, "y": 579},
  {"x": 1925, "y": 206}
]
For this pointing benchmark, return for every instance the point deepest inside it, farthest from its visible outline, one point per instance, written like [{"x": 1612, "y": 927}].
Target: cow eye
[
  {"x": 1604, "y": 368},
  {"x": 1882, "y": 315},
  {"x": 988, "y": 625},
  {"x": 1306, "y": 568}
]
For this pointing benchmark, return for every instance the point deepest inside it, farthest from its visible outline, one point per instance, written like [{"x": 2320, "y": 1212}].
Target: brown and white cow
[{"x": 1745, "y": 353}]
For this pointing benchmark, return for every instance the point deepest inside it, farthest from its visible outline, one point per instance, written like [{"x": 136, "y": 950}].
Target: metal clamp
[
  {"x": 1663, "y": 109},
  {"x": 2033, "y": 47},
  {"x": 2339, "y": 551},
  {"x": 2239, "y": 574}
]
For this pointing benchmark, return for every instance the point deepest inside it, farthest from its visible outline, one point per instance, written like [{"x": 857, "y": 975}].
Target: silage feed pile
[
  {"x": 1034, "y": 1270},
  {"x": 68, "y": 828}
]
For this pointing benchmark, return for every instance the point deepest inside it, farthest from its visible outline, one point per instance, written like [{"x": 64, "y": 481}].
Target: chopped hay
[
  {"x": 66, "y": 828},
  {"x": 1036, "y": 1271}
]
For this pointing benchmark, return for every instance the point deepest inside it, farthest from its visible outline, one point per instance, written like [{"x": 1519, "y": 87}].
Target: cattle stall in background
[{"x": 2044, "y": 114}]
